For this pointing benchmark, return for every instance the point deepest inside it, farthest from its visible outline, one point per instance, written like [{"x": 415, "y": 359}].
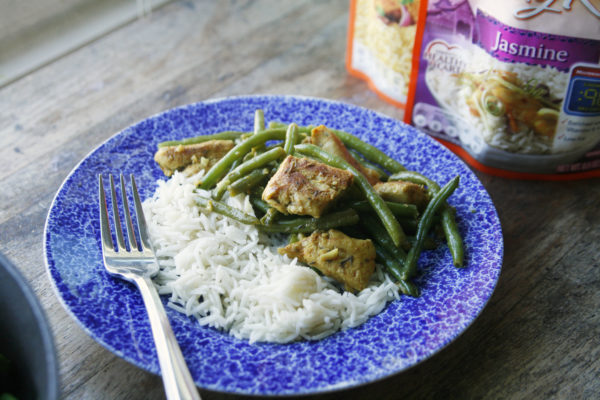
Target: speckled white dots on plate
[{"x": 405, "y": 333}]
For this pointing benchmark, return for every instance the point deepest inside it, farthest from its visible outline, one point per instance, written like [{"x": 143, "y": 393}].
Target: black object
[{"x": 28, "y": 362}]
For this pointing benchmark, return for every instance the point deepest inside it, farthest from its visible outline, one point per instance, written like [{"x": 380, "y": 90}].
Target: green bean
[
  {"x": 220, "y": 168},
  {"x": 259, "y": 125},
  {"x": 273, "y": 145},
  {"x": 237, "y": 162},
  {"x": 309, "y": 224},
  {"x": 259, "y": 204},
  {"x": 428, "y": 243},
  {"x": 270, "y": 216},
  {"x": 425, "y": 223},
  {"x": 245, "y": 168},
  {"x": 226, "y": 135},
  {"x": 394, "y": 266},
  {"x": 294, "y": 237},
  {"x": 396, "y": 270},
  {"x": 398, "y": 209},
  {"x": 453, "y": 237},
  {"x": 301, "y": 129},
  {"x": 408, "y": 288},
  {"x": 355, "y": 194},
  {"x": 246, "y": 183},
  {"x": 226, "y": 210},
  {"x": 291, "y": 137},
  {"x": 448, "y": 222},
  {"x": 379, "y": 206},
  {"x": 249, "y": 155},
  {"x": 378, "y": 234},
  {"x": 369, "y": 152},
  {"x": 354, "y": 231},
  {"x": 408, "y": 224},
  {"x": 358, "y": 157},
  {"x": 415, "y": 177},
  {"x": 255, "y": 151},
  {"x": 259, "y": 121}
]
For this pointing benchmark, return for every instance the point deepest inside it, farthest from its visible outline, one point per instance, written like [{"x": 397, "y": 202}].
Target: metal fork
[{"x": 136, "y": 262}]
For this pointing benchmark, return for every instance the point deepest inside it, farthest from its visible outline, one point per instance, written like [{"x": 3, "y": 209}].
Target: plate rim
[{"x": 299, "y": 391}]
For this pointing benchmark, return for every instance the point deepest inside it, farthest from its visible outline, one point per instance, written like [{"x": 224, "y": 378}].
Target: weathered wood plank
[{"x": 539, "y": 336}]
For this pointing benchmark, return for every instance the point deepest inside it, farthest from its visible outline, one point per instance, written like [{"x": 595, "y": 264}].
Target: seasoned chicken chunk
[
  {"x": 196, "y": 156},
  {"x": 345, "y": 259},
  {"x": 305, "y": 187},
  {"x": 403, "y": 192},
  {"x": 328, "y": 141}
]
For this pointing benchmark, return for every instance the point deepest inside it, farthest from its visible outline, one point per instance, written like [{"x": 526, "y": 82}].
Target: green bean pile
[{"x": 400, "y": 232}]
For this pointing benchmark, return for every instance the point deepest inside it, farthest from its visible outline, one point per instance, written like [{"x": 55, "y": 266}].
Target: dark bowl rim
[{"x": 52, "y": 379}]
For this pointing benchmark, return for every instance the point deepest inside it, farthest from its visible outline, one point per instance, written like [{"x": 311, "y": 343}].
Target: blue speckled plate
[{"x": 405, "y": 333}]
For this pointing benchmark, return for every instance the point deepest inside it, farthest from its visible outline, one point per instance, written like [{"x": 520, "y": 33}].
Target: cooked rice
[
  {"x": 383, "y": 52},
  {"x": 229, "y": 275},
  {"x": 452, "y": 95}
]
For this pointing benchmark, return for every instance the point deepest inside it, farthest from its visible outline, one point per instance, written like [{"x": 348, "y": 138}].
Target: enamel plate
[{"x": 405, "y": 333}]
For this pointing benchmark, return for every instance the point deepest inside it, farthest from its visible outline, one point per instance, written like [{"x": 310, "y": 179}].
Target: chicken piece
[
  {"x": 305, "y": 187},
  {"x": 345, "y": 259},
  {"x": 328, "y": 141},
  {"x": 205, "y": 154},
  {"x": 403, "y": 192}
]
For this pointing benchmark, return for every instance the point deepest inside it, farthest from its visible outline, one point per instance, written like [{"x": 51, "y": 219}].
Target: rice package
[{"x": 511, "y": 86}]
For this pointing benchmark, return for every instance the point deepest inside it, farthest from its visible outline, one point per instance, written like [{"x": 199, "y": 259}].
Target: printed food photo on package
[
  {"x": 512, "y": 86},
  {"x": 382, "y": 43}
]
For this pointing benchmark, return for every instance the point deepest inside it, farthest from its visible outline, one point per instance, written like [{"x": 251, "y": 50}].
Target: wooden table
[{"x": 538, "y": 337}]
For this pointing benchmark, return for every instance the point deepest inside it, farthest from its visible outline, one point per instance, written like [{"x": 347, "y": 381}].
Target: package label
[{"x": 515, "y": 85}]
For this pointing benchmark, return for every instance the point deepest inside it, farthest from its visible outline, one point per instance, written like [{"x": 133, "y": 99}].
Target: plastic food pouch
[
  {"x": 380, "y": 47},
  {"x": 511, "y": 86}
]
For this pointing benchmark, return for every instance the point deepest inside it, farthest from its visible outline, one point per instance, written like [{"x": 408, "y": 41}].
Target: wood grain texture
[{"x": 538, "y": 337}]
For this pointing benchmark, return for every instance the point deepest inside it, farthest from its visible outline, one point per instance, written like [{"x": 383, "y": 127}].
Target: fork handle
[{"x": 176, "y": 376}]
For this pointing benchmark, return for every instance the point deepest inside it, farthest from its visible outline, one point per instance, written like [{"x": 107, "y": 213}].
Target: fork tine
[
  {"x": 139, "y": 213},
  {"x": 128, "y": 223},
  {"x": 104, "y": 224},
  {"x": 116, "y": 215},
  {"x": 139, "y": 267}
]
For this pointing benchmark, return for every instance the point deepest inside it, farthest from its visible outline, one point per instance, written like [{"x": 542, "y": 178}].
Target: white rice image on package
[{"x": 511, "y": 106}]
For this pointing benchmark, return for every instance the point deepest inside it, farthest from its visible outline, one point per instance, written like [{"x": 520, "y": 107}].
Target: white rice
[{"x": 229, "y": 275}]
